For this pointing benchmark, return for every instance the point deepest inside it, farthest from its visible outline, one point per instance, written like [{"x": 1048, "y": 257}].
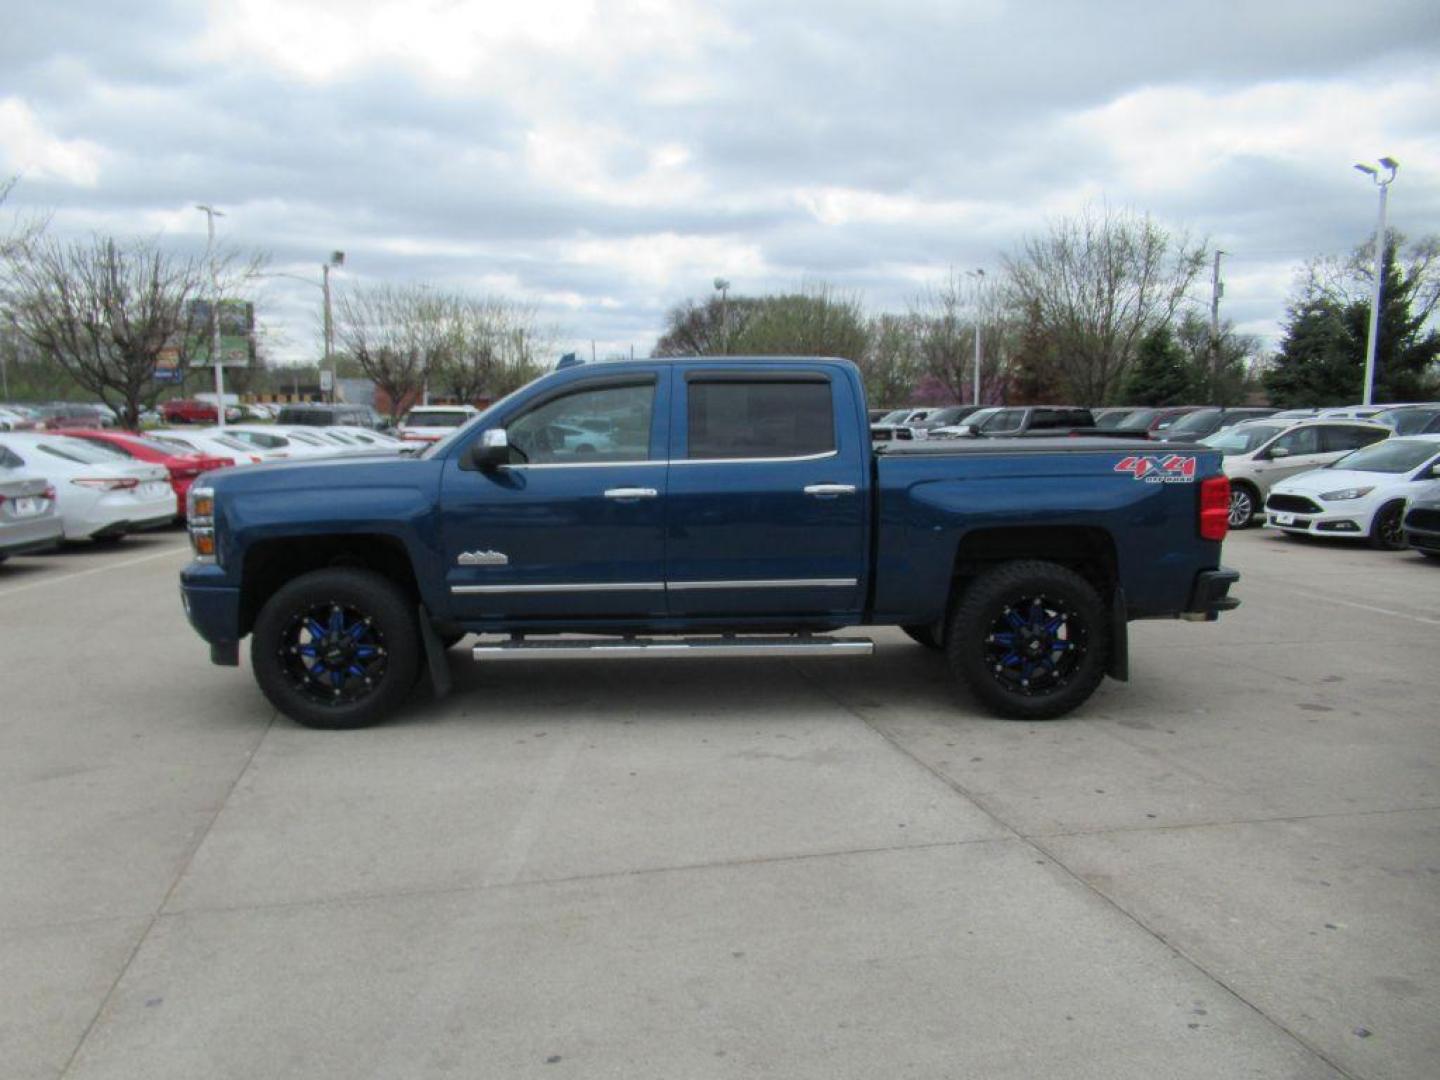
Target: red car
[
  {"x": 183, "y": 468},
  {"x": 193, "y": 411}
]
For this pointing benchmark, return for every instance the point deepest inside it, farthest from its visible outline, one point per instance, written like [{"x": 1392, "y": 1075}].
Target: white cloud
[{"x": 27, "y": 148}]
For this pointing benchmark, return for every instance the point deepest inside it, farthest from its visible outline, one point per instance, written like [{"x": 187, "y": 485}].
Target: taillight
[
  {"x": 1214, "y": 507},
  {"x": 117, "y": 483},
  {"x": 49, "y": 493}
]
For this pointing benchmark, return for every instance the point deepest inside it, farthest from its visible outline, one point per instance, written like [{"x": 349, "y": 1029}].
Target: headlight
[{"x": 1346, "y": 493}]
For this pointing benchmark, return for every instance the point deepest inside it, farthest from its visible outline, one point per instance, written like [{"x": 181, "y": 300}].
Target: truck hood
[{"x": 324, "y": 473}]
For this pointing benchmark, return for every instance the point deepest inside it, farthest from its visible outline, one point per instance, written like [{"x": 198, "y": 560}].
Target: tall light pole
[
  {"x": 979, "y": 276},
  {"x": 210, "y": 215},
  {"x": 1392, "y": 167},
  {"x": 337, "y": 258},
  {"x": 724, "y": 287}
]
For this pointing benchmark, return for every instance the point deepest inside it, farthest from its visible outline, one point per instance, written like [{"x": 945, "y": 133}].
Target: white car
[
  {"x": 28, "y": 520},
  {"x": 431, "y": 423},
  {"x": 193, "y": 442},
  {"x": 282, "y": 442},
  {"x": 1362, "y": 496},
  {"x": 372, "y": 441},
  {"x": 101, "y": 494},
  {"x": 1260, "y": 453}
]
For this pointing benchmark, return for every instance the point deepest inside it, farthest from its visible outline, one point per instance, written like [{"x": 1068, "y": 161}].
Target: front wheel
[
  {"x": 336, "y": 648},
  {"x": 1030, "y": 639},
  {"x": 1386, "y": 532}
]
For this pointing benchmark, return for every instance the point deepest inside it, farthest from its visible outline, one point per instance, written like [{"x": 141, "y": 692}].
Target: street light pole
[
  {"x": 1372, "y": 342},
  {"x": 724, "y": 287},
  {"x": 337, "y": 258},
  {"x": 210, "y": 215},
  {"x": 979, "y": 276}
]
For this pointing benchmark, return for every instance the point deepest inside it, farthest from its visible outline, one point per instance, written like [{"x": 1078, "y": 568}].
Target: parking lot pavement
[{"x": 1229, "y": 866}]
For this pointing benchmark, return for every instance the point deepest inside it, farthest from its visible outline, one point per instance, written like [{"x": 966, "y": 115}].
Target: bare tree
[
  {"x": 494, "y": 347},
  {"x": 372, "y": 324},
  {"x": 106, "y": 310},
  {"x": 1090, "y": 289},
  {"x": 892, "y": 364},
  {"x": 946, "y": 317}
]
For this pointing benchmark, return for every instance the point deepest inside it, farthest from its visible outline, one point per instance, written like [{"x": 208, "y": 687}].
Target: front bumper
[
  {"x": 1211, "y": 595},
  {"x": 1356, "y": 526},
  {"x": 213, "y": 609}
]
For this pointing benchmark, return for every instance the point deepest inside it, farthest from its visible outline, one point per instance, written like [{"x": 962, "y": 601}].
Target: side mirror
[
  {"x": 1280, "y": 451},
  {"x": 492, "y": 450}
]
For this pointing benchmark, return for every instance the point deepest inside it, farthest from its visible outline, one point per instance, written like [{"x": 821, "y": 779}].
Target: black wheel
[
  {"x": 1242, "y": 506},
  {"x": 927, "y": 634},
  {"x": 336, "y": 648},
  {"x": 1030, "y": 639},
  {"x": 1386, "y": 533}
]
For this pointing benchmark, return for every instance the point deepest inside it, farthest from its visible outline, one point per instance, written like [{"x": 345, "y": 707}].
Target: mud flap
[
  {"x": 1119, "y": 667},
  {"x": 440, "y": 681}
]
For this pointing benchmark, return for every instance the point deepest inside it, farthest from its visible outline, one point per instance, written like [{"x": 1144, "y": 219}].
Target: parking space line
[
  {"x": 183, "y": 548},
  {"x": 1380, "y": 610}
]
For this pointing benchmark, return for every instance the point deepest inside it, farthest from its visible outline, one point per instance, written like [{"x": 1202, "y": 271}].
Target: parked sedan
[
  {"x": 1204, "y": 422},
  {"x": 28, "y": 519},
  {"x": 1422, "y": 521},
  {"x": 196, "y": 442},
  {"x": 102, "y": 494},
  {"x": 1261, "y": 453},
  {"x": 286, "y": 443},
  {"x": 182, "y": 467},
  {"x": 1362, "y": 496}
]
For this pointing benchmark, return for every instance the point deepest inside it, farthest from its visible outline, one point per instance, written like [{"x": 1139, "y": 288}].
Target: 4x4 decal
[{"x": 1153, "y": 469}]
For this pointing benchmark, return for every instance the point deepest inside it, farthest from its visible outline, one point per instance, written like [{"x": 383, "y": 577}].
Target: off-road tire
[
  {"x": 985, "y": 608},
  {"x": 367, "y": 595}
]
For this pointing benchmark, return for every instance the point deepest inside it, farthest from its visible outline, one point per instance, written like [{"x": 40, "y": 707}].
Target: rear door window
[
  {"x": 764, "y": 418},
  {"x": 1346, "y": 437}
]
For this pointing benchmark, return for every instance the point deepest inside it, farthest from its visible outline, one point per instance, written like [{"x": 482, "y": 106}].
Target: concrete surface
[{"x": 1228, "y": 867}]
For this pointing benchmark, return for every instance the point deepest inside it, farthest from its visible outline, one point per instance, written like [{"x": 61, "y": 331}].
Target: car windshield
[
  {"x": 1203, "y": 420},
  {"x": 894, "y": 416},
  {"x": 1243, "y": 439},
  {"x": 447, "y": 418},
  {"x": 1139, "y": 420},
  {"x": 1111, "y": 420},
  {"x": 1407, "y": 421},
  {"x": 1390, "y": 456},
  {"x": 975, "y": 419}
]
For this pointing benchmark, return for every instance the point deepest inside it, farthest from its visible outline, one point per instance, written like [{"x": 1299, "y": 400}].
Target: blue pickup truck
[{"x": 700, "y": 507}]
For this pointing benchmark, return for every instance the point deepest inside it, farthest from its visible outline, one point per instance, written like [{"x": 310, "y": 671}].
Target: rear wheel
[
  {"x": 1030, "y": 639},
  {"x": 1386, "y": 532},
  {"x": 1242, "y": 506},
  {"x": 336, "y": 648}
]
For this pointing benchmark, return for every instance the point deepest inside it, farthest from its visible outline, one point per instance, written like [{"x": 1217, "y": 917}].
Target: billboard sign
[{"x": 237, "y": 333}]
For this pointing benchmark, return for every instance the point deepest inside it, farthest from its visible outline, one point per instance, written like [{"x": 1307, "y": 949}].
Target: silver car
[
  {"x": 1259, "y": 453},
  {"x": 28, "y": 520}
]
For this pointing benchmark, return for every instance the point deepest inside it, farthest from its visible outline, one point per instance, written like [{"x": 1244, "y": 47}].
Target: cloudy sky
[{"x": 604, "y": 160}]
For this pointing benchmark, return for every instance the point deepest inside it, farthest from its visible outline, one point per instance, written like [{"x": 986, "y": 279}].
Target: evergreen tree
[
  {"x": 1322, "y": 358},
  {"x": 1161, "y": 375}
]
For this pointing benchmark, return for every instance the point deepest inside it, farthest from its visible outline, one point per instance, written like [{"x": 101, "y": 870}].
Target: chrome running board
[{"x": 674, "y": 648}]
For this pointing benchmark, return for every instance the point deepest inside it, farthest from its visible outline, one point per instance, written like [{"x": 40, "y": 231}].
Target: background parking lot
[{"x": 1229, "y": 866}]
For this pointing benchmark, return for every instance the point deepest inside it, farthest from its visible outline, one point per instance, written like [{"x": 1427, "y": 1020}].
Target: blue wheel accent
[
  {"x": 332, "y": 654},
  {"x": 1034, "y": 645}
]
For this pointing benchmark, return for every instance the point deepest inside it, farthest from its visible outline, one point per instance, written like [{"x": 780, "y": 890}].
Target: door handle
[
  {"x": 630, "y": 494},
  {"x": 829, "y": 491}
]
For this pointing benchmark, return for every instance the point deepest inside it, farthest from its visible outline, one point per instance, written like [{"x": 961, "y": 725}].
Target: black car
[
  {"x": 315, "y": 415},
  {"x": 1422, "y": 525},
  {"x": 1197, "y": 425}
]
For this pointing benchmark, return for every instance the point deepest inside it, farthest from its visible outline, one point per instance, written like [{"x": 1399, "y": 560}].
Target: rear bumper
[
  {"x": 21, "y": 537},
  {"x": 213, "y": 610},
  {"x": 1211, "y": 595}
]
